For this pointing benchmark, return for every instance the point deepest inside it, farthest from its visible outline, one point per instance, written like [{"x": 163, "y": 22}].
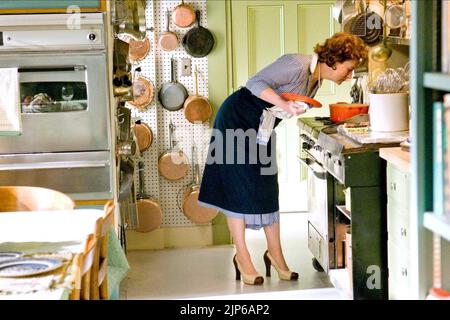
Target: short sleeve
[{"x": 285, "y": 69}]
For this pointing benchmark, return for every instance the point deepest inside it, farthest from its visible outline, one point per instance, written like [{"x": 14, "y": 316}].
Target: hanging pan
[
  {"x": 190, "y": 207},
  {"x": 143, "y": 92},
  {"x": 199, "y": 41},
  {"x": 172, "y": 94},
  {"x": 149, "y": 214},
  {"x": 144, "y": 135},
  {"x": 184, "y": 15},
  {"x": 197, "y": 108},
  {"x": 138, "y": 49},
  {"x": 168, "y": 40},
  {"x": 173, "y": 164}
]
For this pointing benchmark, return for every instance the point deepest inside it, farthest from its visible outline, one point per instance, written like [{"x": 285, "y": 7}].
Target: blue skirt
[{"x": 240, "y": 176}]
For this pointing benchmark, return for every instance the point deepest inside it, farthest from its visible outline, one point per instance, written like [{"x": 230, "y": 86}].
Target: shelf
[
  {"x": 437, "y": 81},
  {"x": 399, "y": 41},
  {"x": 346, "y": 213},
  {"x": 341, "y": 281},
  {"x": 439, "y": 224}
]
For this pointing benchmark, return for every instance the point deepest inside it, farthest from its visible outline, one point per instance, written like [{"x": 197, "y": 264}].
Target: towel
[
  {"x": 267, "y": 121},
  {"x": 10, "y": 121}
]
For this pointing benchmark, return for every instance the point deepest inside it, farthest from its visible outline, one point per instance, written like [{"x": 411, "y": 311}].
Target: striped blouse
[{"x": 289, "y": 73}]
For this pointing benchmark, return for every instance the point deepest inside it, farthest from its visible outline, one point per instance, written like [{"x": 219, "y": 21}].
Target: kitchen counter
[{"x": 397, "y": 156}]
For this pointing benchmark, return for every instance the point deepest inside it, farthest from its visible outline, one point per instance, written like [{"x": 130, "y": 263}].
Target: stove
[{"x": 336, "y": 163}]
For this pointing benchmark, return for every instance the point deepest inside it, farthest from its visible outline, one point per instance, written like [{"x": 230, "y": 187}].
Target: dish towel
[
  {"x": 267, "y": 121},
  {"x": 10, "y": 121}
]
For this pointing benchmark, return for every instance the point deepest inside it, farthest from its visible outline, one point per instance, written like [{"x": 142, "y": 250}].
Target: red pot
[{"x": 341, "y": 111}]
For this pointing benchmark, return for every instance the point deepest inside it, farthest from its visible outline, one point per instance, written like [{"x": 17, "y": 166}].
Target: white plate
[
  {"x": 26, "y": 267},
  {"x": 9, "y": 255}
]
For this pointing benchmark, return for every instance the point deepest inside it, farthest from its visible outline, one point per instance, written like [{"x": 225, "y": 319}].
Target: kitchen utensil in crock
[
  {"x": 199, "y": 41},
  {"x": 301, "y": 98},
  {"x": 190, "y": 206},
  {"x": 144, "y": 135},
  {"x": 168, "y": 41},
  {"x": 138, "y": 49},
  {"x": 197, "y": 108},
  {"x": 184, "y": 15},
  {"x": 173, "y": 164},
  {"x": 172, "y": 94},
  {"x": 341, "y": 111},
  {"x": 149, "y": 212}
]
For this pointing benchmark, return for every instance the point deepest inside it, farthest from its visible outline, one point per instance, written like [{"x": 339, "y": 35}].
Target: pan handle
[
  {"x": 167, "y": 20},
  {"x": 141, "y": 179},
  {"x": 172, "y": 70},
  {"x": 196, "y": 80},
  {"x": 197, "y": 17},
  {"x": 171, "y": 135}
]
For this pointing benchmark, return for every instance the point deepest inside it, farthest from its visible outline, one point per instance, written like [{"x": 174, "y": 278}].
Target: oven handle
[
  {"x": 308, "y": 162},
  {"x": 76, "y": 68},
  {"x": 54, "y": 165}
]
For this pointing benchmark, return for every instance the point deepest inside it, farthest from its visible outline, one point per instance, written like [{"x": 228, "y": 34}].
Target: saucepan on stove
[{"x": 341, "y": 111}]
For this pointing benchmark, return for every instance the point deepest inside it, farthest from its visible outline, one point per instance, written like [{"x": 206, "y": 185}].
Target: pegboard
[{"x": 156, "y": 67}]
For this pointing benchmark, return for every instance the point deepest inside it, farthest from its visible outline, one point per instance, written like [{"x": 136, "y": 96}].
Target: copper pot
[
  {"x": 341, "y": 111},
  {"x": 143, "y": 93},
  {"x": 184, "y": 15},
  {"x": 138, "y": 49},
  {"x": 197, "y": 108},
  {"x": 144, "y": 135},
  {"x": 173, "y": 164},
  {"x": 190, "y": 206}
]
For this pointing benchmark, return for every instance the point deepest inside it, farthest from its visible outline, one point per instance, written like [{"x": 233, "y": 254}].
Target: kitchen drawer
[
  {"x": 399, "y": 272},
  {"x": 398, "y": 186},
  {"x": 398, "y": 227}
]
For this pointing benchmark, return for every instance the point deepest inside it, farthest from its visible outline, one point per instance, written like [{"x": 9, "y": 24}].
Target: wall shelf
[
  {"x": 436, "y": 81},
  {"x": 439, "y": 224},
  {"x": 398, "y": 41}
]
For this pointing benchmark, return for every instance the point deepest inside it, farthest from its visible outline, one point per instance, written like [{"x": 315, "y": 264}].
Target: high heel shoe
[
  {"x": 282, "y": 274},
  {"x": 247, "y": 278}
]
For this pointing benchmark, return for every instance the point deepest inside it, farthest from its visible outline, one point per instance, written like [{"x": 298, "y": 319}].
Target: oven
[
  {"x": 66, "y": 138},
  {"x": 320, "y": 212}
]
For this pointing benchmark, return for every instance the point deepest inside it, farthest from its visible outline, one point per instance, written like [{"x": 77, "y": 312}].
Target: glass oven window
[{"x": 45, "y": 97}]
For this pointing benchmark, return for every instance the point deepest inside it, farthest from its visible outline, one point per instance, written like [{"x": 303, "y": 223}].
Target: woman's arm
[
  {"x": 285, "y": 69},
  {"x": 272, "y": 97}
]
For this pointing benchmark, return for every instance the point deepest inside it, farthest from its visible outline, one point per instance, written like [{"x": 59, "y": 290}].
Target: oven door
[
  {"x": 82, "y": 175},
  {"x": 318, "y": 186},
  {"x": 64, "y": 103}
]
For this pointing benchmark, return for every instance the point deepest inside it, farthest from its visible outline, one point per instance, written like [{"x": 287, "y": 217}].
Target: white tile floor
[{"x": 208, "y": 272}]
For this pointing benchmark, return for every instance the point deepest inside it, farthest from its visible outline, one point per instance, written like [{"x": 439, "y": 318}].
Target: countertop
[{"x": 397, "y": 156}]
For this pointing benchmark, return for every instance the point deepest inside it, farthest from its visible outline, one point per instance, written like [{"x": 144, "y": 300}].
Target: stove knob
[
  {"x": 318, "y": 148},
  {"x": 311, "y": 142},
  {"x": 329, "y": 154},
  {"x": 92, "y": 36},
  {"x": 305, "y": 146}
]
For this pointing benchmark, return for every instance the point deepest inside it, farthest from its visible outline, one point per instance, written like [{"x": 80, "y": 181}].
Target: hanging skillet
[
  {"x": 149, "y": 211},
  {"x": 197, "y": 108},
  {"x": 199, "y": 41},
  {"x": 173, "y": 94},
  {"x": 173, "y": 164}
]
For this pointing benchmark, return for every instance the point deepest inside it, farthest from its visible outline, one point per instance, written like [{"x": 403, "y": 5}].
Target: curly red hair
[{"x": 341, "y": 47}]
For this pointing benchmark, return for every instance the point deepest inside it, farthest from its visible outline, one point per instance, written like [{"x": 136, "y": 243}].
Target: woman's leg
[
  {"x": 237, "y": 230},
  {"x": 274, "y": 244}
]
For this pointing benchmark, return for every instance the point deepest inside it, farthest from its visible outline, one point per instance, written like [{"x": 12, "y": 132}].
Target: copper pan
[
  {"x": 173, "y": 164},
  {"x": 184, "y": 15},
  {"x": 143, "y": 93},
  {"x": 197, "y": 109},
  {"x": 144, "y": 135},
  {"x": 138, "y": 49},
  {"x": 149, "y": 213},
  {"x": 168, "y": 41},
  {"x": 190, "y": 206}
]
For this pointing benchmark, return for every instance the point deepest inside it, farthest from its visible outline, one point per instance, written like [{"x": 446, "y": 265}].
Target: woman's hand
[{"x": 293, "y": 108}]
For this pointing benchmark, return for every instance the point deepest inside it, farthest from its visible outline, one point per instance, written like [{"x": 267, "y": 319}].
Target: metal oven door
[
  {"x": 319, "y": 218},
  {"x": 82, "y": 175},
  {"x": 64, "y": 102}
]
